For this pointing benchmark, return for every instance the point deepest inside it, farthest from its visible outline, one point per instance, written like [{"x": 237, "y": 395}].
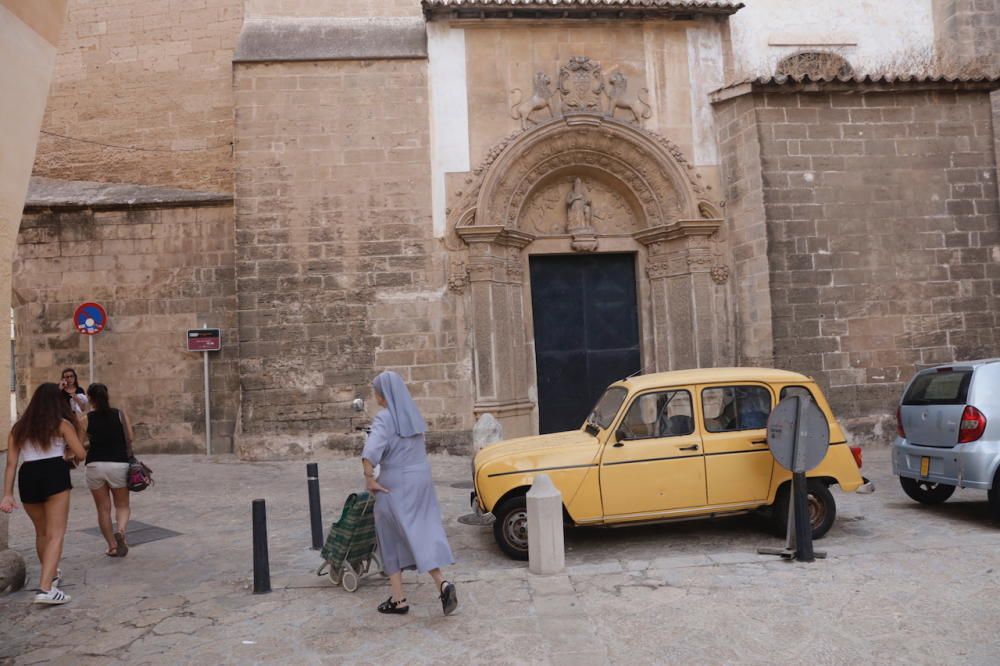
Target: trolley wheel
[
  {"x": 334, "y": 575},
  {"x": 349, "y": 579}
]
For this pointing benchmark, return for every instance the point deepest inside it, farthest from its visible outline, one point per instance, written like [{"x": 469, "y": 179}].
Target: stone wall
[
  {"x": 150, "y": 74},
  {"x": 967, "y": 33},
  {"x": 332, "y": 8},
  {"x": 882, "y": 221},
  {"x": 740, "y": 150},
  {"x": 158, "y": 272},
  {"x": 338, "y": 275}
]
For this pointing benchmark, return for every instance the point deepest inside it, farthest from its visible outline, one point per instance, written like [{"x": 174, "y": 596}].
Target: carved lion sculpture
[
  {"x": 619, "y": 97},
  {"x": 540, "y": 99}
]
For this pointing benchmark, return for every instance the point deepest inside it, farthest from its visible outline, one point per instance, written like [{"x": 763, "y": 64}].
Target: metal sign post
[
  {"x": 205, "y": 340},
  {"x": 798, "y": 435},
  {"x": 90, "y": 319}
]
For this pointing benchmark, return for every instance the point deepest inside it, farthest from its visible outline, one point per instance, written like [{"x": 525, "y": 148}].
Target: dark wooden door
[{"x": 586, "y": 332}]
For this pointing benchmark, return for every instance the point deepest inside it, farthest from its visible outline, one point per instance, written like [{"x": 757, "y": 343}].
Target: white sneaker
[{"x": 53, "y": 597}]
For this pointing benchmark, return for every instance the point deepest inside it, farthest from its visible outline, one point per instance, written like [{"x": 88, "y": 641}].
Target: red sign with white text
[{"x": 204, "y": 339}]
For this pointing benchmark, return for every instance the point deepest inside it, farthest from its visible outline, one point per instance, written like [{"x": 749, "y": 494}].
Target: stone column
[
  {"x": 500, "y": 349},
  {"x": 27, "y": 60},
  {"x": 684, "y": 299}
]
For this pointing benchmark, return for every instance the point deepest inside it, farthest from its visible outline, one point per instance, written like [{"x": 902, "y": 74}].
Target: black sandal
[
  {"x": 449, "y": 598},
  {"x": 394, "y": 607}
]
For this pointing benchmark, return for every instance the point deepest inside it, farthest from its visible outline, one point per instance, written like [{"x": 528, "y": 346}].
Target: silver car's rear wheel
[
  {"x": 994, "y": 497},
  {"x": 924, "y": 491}
]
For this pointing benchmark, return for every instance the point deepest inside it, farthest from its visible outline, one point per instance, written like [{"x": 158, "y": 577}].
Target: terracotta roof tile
[
  {"x": 630, "y": 6},
  {"x": 806, "y": 83}
]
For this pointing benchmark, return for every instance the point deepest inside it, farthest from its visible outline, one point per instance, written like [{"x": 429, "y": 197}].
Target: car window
[
  {"x": 940, "y": 387},
  {"x": 729, "y": 408},
  {"x": 608, "y": 406},
  {"x": 660, "y": 414},
  {"x": 800, "y": 391}
]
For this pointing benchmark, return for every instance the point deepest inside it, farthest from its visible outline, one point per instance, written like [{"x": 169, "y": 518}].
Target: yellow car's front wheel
[{"x": 511, "y": 527}]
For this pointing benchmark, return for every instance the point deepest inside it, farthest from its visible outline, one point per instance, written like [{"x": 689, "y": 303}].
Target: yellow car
[{"x": 666, "y": 446}]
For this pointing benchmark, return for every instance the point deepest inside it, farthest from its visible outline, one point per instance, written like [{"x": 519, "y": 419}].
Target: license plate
[{"x": 925, "y": 466}]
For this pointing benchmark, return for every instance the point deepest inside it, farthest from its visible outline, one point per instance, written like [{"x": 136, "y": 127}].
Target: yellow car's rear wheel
[{"x": 822, "y": 509}]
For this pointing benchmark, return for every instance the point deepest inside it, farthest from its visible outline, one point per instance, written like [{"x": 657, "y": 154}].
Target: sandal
[
  {"x": 394, "y": 607},
  {"x": 449, "y": 598},
  {"x": 112, "y": 552},
  {"x": 122, "y": 548}
]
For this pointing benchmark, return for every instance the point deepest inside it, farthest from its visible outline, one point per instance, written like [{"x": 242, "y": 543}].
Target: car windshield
[{"x": 607, "y": 407}]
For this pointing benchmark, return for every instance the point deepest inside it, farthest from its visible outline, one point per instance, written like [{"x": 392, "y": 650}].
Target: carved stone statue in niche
[
  {"x": 580, "y": 218},
  {"x": 579, "y": 212}
]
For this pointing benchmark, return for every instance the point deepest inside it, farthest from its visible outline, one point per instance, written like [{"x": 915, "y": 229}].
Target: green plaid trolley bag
[{"x": 350, "y": 549}]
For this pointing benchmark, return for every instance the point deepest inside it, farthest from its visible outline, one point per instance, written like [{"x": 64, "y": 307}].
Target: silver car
[{"x": 948, "y": 424}]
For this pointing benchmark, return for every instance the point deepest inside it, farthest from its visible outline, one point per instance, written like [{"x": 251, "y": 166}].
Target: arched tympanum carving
[{"x": 645, "y": 165}]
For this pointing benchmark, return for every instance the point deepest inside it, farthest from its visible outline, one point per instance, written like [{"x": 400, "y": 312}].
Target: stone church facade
[{"x": 511, "y": 204}]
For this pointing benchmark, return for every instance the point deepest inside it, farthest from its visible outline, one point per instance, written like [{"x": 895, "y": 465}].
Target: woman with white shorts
[{"x": 109, "y": 434}]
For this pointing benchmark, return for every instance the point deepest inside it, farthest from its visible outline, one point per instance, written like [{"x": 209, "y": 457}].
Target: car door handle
[
  {"x": 759, "y": 441},
  {"x": 693, "y": 447}
]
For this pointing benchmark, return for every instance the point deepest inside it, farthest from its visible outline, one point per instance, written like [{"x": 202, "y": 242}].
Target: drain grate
[{"x": 139, "y": 533}]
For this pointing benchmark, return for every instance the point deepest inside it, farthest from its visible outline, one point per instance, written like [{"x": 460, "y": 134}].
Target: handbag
[{"x": 140, "y": 476}]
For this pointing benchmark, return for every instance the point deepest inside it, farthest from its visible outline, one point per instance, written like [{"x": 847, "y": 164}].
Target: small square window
[
  {"x": 800, "y": 391},
  {"x": 661, "y": 414},
  {"x": 730, "y": 408}
]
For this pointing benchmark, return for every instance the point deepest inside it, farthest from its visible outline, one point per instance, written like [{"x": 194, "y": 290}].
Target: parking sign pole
[
  {"x": 90, "y": 347},
  {"x": 208, "y": 406}
]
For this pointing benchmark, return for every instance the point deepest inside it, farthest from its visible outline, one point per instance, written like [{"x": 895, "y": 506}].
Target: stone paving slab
[{"x": 903, "y": 584}]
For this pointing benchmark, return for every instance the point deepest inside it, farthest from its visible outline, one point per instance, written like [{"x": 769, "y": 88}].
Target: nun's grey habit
[{"x": 407, "y": 518}]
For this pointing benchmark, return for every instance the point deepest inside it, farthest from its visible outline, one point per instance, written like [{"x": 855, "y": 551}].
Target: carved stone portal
[{"x": 583, "y": 181}]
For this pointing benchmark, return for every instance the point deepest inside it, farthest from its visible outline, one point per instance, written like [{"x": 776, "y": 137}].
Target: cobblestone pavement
[{"x": 903, "y": 583}]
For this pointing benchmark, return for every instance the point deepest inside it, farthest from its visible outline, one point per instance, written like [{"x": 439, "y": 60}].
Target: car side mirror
[{"x": 621, "y": 436}]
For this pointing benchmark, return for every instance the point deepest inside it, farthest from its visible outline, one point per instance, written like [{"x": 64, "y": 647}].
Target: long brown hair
[
  {"x": 98, "y": 394},
  {"x": 76, "y": 380},
  {"x": 41, "y": 419}
]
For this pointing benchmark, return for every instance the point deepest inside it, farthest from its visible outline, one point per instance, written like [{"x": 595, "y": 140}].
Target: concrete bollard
[{"x": 546, "y": 554}]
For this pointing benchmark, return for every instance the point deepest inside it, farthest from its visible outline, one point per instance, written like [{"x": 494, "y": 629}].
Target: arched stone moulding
[{"x": 672, "y": 220}]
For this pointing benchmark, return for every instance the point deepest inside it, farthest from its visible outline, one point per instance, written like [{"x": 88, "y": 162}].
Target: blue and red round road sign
[{"x": 90, "y": 319}]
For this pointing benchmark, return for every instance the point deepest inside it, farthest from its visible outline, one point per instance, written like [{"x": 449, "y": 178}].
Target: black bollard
[
  {"x": 315, "y": 511},
  {"x": 261, "y": 567},
  {"x": 803, "y": 526}
]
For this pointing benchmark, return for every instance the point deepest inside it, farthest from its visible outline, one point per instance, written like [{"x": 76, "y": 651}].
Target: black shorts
[{"x": 39, "y": 480}]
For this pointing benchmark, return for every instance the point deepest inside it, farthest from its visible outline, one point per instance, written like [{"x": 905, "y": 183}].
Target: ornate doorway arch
[{"x": 585, "y": 182}]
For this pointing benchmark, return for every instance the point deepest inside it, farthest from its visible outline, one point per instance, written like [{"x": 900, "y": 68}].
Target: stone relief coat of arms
[{"x": 581, "y": 87}]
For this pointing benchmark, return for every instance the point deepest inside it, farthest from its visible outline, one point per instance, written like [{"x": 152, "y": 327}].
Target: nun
[{"x": 408, "y": 519}]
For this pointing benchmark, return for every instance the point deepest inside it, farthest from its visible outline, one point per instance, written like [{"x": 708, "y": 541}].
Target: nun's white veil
[{"x": 405, "y": 416}]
